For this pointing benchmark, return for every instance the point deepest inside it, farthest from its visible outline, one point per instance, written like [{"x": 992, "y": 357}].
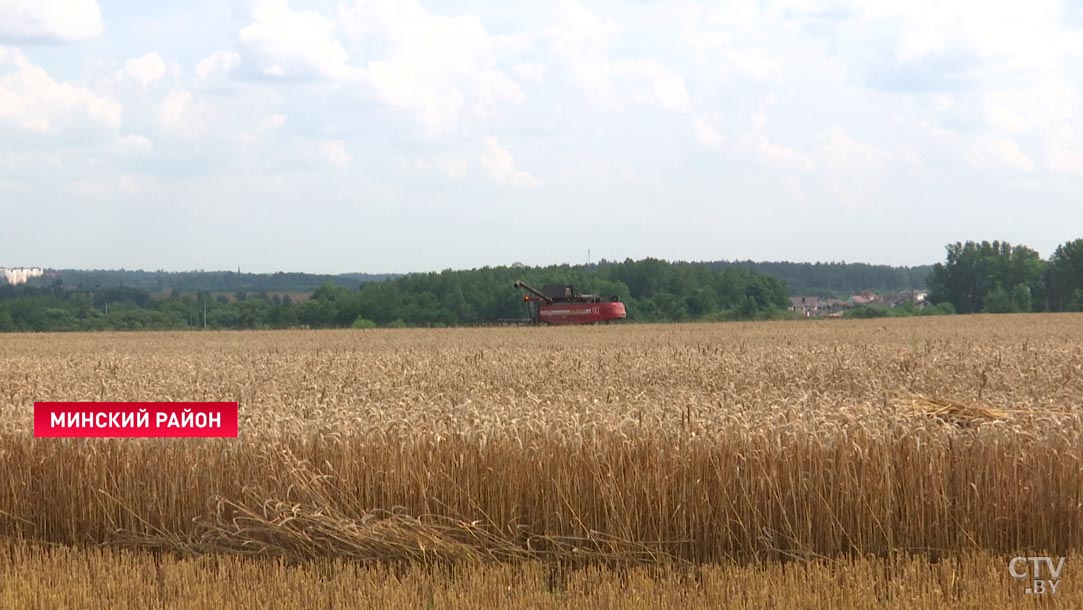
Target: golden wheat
[
  {"x": 35, "y": 578},
  {"x": 674, "y": 445}
]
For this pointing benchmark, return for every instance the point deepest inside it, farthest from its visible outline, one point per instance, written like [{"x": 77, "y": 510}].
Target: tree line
[
  {"x": 991, "y": 277},
  {"x": 192, "y": 281},
  {"x": 829, "y": 279},
  {"x": 836, "y": 279},
  {"x": 653, "y": 291},
  {"x": 997, "y": 277}
]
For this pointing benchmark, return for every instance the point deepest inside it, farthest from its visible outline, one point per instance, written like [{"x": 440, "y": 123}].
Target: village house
[{"x": 807, "y": 306}]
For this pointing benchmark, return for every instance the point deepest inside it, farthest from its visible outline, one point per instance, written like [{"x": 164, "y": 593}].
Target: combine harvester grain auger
[{"x": 559, "y": 304}]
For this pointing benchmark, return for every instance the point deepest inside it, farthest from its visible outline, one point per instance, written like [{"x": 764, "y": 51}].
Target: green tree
[
  {"x": 998, "y": 301},
  {"x": 1066, "y": 277},
  {"x": 973, "y": 270},
  {"x": 1021, "y": 298}
]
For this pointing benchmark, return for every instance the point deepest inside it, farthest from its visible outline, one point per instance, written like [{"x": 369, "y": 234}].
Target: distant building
[
  {"x": 19, "y": 275},
  {"x": 866, "y": 297},
  {"x": 913, "y": 297},
  {"x": 806, "y": 306},
  {"x": 834, "y": 307}
]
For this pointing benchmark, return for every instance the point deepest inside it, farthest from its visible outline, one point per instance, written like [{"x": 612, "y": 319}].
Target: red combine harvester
[{"x": 560, "y": 304}]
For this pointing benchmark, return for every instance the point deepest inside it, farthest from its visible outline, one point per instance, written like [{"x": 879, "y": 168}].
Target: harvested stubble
[{"x": 626, "y": 444}]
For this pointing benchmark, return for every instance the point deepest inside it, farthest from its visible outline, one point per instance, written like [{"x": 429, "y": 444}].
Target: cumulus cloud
[
  {"x": 1000, "y": 153},
  {"x": 775, "y": 154},
  {"x": 181, "y": 114},
  {"x": 334, "y": 153},
  {"x": 953, "y": 39},
  {"x": 146, "y": 68},
  {"x": 450, "y": 166},
  {"x": 859, "y": 86},
  {"x": 488, "y": 158},
  {"x": 1066, "y": 161},
  {"x": 49, "y": 20},
  {"x": 499, "y": 164},
  {"x": 666, "y": 91},
  {"x": 530, "y": 70},
  {"x": 852, "y": 170},
  {"x": 494, "y": 87},
  {"x": 273, "y": 122},
  {"x": 716, "y": 50},
  {"x": 135, "y": 143},
  {"x": 841, "y": 152},
  {"x": 583, "y": 41},
  {"x": 31, "y": 100},
  {"x": 218, "y": 65},
  {"x": 706, "y": 133},
  {"x": 430, "y": 65},
  {"x": 284, "y": 43}
]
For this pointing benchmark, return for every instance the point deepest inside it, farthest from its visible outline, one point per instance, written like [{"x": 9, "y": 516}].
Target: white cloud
[
  {"x": 135, "y": 143},
  {"x": 108, "y": 186},
  {"x": 436, "y": 105},
  {"x": 1042, "y": 104},
  {"x": 1000, "y": 152},
  {"x": 182, "y": 114},
  {"x": 50, "y": 20},
  {"x": 490, "y": 159},
  {"x": 146, "y": 68},
  {"x": 583, "y": 40},
  {"x": 775, "y": 154},
  {"x": 842, "y": 153},
  {"x": 530, "y": 70},
  {"x": 668, "y": 92},
  {"x": 499, "y": 164},
  {"x": 493, "y": 88},
  {"x": 453, "y": 167},
  {"x": 427, "y": 64},
  {"x": 273, "y": 122},
  {"x": 334, "y": 153},
  {"x": 993, "y": 29},
  {"x": 218, "y": 65},
  {"x": 920, "y": 29},
  {"x": 851, "y": 170},
  {"x": 24, "y": 161},
  {"x": 707, "y": 134},
  {"x": 755, "y": 65},
  {"x": 31, "y": 100},
  {"x": 284, "y": 43},
  {"x": 1066, "y": 161},
  {"x": 716, "y": 50}
]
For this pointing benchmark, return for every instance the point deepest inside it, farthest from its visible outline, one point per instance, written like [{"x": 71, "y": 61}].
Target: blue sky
[{"x": 393, "y": 136}]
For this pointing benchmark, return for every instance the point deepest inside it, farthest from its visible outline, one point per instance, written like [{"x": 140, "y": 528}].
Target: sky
[{"x": 397, "y": 135}]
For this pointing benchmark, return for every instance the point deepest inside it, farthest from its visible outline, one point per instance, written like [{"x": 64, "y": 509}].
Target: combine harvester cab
[{"x": 560, "y": 305}]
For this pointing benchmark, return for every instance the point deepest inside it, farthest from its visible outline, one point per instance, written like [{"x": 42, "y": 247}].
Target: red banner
[{"x": 135, "y": 419}]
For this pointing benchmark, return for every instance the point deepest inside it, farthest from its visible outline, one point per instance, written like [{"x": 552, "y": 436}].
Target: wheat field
[{"x": 823, "y": 464}]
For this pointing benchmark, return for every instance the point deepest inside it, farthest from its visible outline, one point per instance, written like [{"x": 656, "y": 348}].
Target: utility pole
[{"x": 204, "y": 313}]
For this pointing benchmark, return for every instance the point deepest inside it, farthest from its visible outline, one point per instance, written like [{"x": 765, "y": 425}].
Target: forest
[
  {"x": 836, "y": 279},
  {"x": 997, "y": 277},
  {"x": 653, "y": 290},
  {"x": 975, "y": 277},
  {"x": 214, "y": 281},
  {"x": 827, "y": 279}
]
